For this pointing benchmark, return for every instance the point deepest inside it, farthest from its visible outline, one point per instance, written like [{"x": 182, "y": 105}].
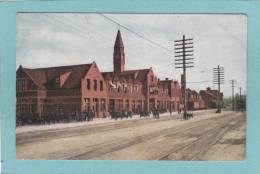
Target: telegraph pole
[
  {"x": 183, "y": 56},
  {"x": 218, "y": 78},
  {"x": 240, "y": 96},
  {"x": 233, "y": 82}
]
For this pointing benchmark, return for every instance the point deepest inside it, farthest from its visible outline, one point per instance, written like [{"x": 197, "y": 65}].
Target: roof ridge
[{"x": 63, "y": 66}]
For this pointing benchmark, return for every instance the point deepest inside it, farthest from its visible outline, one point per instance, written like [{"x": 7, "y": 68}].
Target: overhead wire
[{"x": 135, "y": 33}]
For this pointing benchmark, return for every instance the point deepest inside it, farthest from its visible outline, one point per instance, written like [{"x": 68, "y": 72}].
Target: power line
[
  {"x": 135, "y": 33},
  {"x": 204, "y": 81}
]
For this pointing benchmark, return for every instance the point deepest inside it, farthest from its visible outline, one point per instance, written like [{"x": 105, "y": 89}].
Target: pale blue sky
[{"x": 54, "y": 39}]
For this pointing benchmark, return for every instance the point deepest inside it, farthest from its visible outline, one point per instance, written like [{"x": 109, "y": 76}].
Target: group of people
[
  {"x": 156, "y": 113},
  {"x": 121, "y": 114},
  {"x": 89, "y": 115},
  {"x": 52, "y": 118}
]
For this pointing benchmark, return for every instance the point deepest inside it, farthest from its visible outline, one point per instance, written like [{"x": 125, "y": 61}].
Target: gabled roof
[
  {"x": 43, "y": 77},
  {"x": 213, "y": 95},
  {"x": 137, "y": 75}
]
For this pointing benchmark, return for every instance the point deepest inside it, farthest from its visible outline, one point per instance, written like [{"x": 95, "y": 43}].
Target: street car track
[
  {"x": 205, "y": 138},
  {"x": 44, "y": 135},
  {"x": 40, "y": 136},
  {"x": 112, "y": 146}
]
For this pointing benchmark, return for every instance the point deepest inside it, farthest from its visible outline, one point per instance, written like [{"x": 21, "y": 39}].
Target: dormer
[{"x": 62, "y": 78}]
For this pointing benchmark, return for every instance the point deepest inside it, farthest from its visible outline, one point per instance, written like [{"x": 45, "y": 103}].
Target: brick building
[
  {"x": 194, "y": 100},
  {"x": 71, "y": 90},
  {"x": 65, "y": 90},
  {"x": 138, "y": 90},
  {"x": 211, "y": 97}
]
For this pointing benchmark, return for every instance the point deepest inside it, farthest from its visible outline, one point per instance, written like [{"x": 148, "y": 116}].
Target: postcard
[
  {"x": 129, "y": 87},
  {"x": 109, "y": 86}
]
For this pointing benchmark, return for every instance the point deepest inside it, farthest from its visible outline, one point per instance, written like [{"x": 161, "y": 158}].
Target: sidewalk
[{"x": 31, "y": 128}]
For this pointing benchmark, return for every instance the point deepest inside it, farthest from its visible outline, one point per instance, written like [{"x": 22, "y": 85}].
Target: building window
[
  {"x": 18, "y": 108},
  {"x": 21, "y": 85},
  {"x": 101, "y": 85},
  {"x": 135, "y": 88},
  {"x": 96, "y": 105},
  {"x": 95, "y": 85},
  {"x": 87, "y": 104},
  {"x": 30, "y": 108},
  {"x": 103, "y": 105},
  {"x": 88, "y": 84}
]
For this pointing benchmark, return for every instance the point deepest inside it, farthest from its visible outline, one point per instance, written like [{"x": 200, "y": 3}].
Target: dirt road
[{"x": 207, "y": 136}]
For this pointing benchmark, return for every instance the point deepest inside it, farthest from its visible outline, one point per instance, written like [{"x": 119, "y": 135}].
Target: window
[
  {"x": 21, "y": 85},
  {"x": 103, "y": 104},
  {"x": 18, "y": 108},
  {"x": 96, "y": 105},
  {"x": 87, "y": 104},
  {"x": 30, "y": 108},
  {"x": 101, "y": 85},
  {"x": 88, "y": 84},
  {"x": 95, "y": 85},
  {"x": 135, "y": 88}
]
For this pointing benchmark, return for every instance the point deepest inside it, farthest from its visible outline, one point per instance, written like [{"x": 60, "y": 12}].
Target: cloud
[{"x": 69, "y": 38}]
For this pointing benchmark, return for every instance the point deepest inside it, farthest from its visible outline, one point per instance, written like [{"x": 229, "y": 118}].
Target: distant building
[
  {"x": 194, "y": 100},
  {"x": 211, "y": 97}
]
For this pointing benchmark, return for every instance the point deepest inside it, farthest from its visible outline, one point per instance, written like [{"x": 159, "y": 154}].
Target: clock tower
[{"x": 119, "y": 54}]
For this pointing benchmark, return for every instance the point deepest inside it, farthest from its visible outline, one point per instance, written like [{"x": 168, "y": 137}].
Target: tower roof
[{"x": 119, "y": 41}]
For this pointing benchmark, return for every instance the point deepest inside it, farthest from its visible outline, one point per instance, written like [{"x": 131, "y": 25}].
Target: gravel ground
[{"x": 207, "y": 136}]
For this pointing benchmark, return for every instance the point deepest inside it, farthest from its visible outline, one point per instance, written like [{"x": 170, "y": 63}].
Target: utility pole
[
  {"x": 233, "y": 83},
  {"x": 240, "y": 102},
  {"x": 183, "y": 56},
  {"x": 240, "y": 96},
  {"x": 218, "y": 78}
]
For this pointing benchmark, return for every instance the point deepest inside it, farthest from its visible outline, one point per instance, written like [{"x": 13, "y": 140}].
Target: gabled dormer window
[
  {"x": 101, "y": 85},
  {"x": 88, "y": 84},
  {"x": 95, "y": 85}
]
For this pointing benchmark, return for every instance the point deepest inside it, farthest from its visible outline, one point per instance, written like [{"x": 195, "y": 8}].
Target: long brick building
[{"x": 72, "y": 90}]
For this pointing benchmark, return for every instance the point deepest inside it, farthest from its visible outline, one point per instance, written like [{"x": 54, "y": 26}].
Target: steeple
[
  {"x": 119, "y": 54},
  {"x": 119, "y": 41}
]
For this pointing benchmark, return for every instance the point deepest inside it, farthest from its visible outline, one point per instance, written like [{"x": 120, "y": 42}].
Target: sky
[{"x": 56, "y": 39}]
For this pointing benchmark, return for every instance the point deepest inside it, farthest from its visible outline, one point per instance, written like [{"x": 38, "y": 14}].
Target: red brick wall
[{"x": 94, "y": 74}]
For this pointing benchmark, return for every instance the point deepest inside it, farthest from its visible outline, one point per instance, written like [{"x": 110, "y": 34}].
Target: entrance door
[{"x": 111, "y": 105}]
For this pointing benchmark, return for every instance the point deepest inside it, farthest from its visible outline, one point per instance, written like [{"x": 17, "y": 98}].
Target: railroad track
[
  {"x": 111, "y": 146},
  {"x": 41, "y": 136},
  {"x": 210, "y": 137}
]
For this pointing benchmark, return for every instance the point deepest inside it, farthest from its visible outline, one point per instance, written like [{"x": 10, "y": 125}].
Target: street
[{"x": 207, "y": 136}]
